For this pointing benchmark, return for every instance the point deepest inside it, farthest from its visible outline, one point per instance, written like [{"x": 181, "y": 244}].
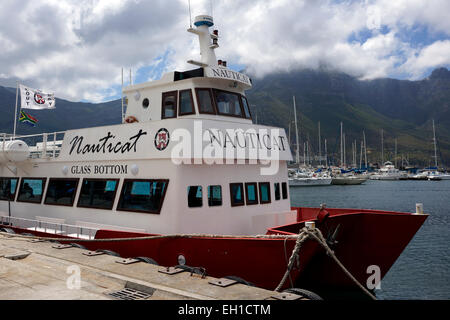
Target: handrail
[{"x": 49, "y": 227}]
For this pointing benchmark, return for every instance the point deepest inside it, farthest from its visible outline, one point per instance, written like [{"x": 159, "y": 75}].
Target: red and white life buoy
[{"x": 131, "y": 119}]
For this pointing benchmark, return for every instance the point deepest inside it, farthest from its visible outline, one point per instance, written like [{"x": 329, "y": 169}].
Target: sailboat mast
[
  {"x": 382, "y": 148},
  {"x": 342, "y": 148},
  {"x": 320, "y": 147},
  {"x": 435, "y": 148},
  {"x": 297, "y": 154},
  {"x": 365, "y": 149},
  {"x": 395, "y": 153},
  {"x": 360, "y": 156}
]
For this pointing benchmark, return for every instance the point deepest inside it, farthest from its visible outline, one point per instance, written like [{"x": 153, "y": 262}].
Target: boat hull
[
  {"x": 365, "y": 238},
  {"x": 309, "y": 182},
  {"x": 348, "y": 181}
]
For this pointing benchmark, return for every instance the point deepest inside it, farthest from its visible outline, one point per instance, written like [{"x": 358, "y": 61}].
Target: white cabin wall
[
  {"x": 165, "y": 222},
  {"x": 226, "y": 219}
]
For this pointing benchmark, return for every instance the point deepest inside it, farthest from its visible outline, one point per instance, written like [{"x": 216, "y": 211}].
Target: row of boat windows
[
  {"x": 209, "y": 101},
  {"x": 240, "y": 194},
  {"x": 136, "y": 195}
]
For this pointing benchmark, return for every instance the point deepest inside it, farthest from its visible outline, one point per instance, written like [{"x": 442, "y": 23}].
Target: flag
[
  {"x": 28, "y": 119},
  {"x": 35, "y": 99}
]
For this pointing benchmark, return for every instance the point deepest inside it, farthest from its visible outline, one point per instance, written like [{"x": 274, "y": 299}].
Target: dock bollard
[{"x": 419, "y": 208}]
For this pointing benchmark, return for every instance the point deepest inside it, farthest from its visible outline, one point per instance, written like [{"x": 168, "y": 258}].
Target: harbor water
[{"x": 422, "y": 271}]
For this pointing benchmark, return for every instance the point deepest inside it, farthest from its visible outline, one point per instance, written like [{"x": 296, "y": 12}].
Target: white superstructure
[
  {"x": 187, "y": 159},
  {"x": 389, "y": 172}
]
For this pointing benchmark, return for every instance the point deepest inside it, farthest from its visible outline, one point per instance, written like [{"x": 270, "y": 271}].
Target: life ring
[{"x": 131, "y": 119}]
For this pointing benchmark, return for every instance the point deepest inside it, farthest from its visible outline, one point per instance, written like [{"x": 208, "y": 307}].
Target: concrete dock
[{"x": 47, "y": 270}]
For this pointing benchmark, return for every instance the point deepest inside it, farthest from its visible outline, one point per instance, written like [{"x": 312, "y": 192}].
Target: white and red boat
[{"x": 187, "y": 161}]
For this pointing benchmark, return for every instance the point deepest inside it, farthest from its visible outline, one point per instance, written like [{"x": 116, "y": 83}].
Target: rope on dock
[
  {"x": 307, "y": 233},
  {"x": 168, "y": 236}
]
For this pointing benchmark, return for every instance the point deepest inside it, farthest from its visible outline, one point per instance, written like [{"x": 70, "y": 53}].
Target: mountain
[{"x": 403, "y": 109}]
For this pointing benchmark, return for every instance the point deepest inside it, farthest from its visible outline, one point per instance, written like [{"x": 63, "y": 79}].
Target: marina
[{"x": 189, "y": 197}]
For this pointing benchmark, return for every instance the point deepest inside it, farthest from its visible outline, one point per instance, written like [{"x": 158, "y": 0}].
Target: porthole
[{"x": 145, "y": 103}]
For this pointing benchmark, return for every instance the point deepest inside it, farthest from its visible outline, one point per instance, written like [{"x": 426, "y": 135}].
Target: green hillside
[{"x": 403, "y": 109}]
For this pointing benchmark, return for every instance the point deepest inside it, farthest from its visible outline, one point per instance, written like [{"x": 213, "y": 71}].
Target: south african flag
[{"x": 28, "y": 119}]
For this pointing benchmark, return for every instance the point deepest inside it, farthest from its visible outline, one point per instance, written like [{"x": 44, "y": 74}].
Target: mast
[
  {"x": 304, "y": 154},
  {"x": 345, "y": 165},
  {"x": 360, "y": 156},
  {"x": 382, "y": 148},
  {"x": 342, "y": 148},
  {"x": 297, "y": 154},
  {"x": 15, "y": 112},
  {"x": 326, "y": 154},
  {"x": 121, "y": 98},
  {"x": 365, "y": 149},
  {"x": 320, "y": 147},
  {"x": 435, "y": 148},
  {"x": 395, "y": 153}
]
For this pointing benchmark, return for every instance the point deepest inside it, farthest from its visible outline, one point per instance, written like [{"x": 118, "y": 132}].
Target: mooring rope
[
  {"x": 314, "y": 233},
  {"x": 168, "y": 236}
]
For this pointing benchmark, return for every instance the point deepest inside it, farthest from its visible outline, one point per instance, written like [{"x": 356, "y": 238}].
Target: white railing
[
  {"x": 49, "y": 227},
  {"x": 43, "y": 145}
]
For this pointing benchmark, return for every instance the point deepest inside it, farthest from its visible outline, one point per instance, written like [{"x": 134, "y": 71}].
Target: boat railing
[
  {"x": 56, "y": 228},
  {"x": 43, "y": 145}
]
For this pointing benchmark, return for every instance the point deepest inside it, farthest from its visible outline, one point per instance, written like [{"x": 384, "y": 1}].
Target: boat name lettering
[
  {"x": 228, "y": 74},
  {"x": 105, "y": 144},
  {"x": 245, "y": 139},
  {"x": 100, "y": 169}
]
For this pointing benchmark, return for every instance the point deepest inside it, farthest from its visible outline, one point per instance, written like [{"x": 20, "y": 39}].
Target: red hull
[{"x": 366, "y": 237}]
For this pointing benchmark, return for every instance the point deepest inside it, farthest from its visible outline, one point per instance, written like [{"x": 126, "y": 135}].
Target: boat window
[
  {"x": 277, "y": 191},
  {"x": 61, "y": 191},
  {"x": 264, "y": 192},
  {"x": 227, "y": 103},
  {"x": 237, "y": 194},
  {"x": 31, "y": 190},
  {"x": 195, "y": 196},
  {"x": 284, "y": 190},
  {"x": 169, "y": 105},
  {"x": 186, "y": 103},
  {"x": 145, "y": 196},
  {"x": 251, "y": 193},
  {"x": 204, "y": 101},
  {"x": 246, "y": 107},
  {"x": 214, "y": 196},
  {"x": 8, "y": 188},
  {"x": 98, "y": 193}
]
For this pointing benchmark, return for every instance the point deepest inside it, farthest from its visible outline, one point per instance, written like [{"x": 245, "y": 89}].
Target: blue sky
[{"x": 79, "y": 49}]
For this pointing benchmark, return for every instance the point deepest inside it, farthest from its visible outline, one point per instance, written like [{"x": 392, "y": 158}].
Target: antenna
[
  {"x": 190, "y": 16},
  {"x": 122, "y": 95}
]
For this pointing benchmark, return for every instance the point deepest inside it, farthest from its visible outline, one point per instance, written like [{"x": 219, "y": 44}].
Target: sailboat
[{"x": 435, "y": 174}]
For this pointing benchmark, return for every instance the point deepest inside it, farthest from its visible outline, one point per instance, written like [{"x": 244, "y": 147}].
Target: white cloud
[
  {"x": 77, "y": 48},
  {"x": 432, "y": 56}
]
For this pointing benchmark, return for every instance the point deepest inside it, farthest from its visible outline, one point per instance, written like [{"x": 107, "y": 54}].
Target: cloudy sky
[{"x": 76, "y": 48}]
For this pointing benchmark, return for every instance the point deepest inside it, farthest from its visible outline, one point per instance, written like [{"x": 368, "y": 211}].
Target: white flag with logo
[{"x": 36, "y": 99}]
